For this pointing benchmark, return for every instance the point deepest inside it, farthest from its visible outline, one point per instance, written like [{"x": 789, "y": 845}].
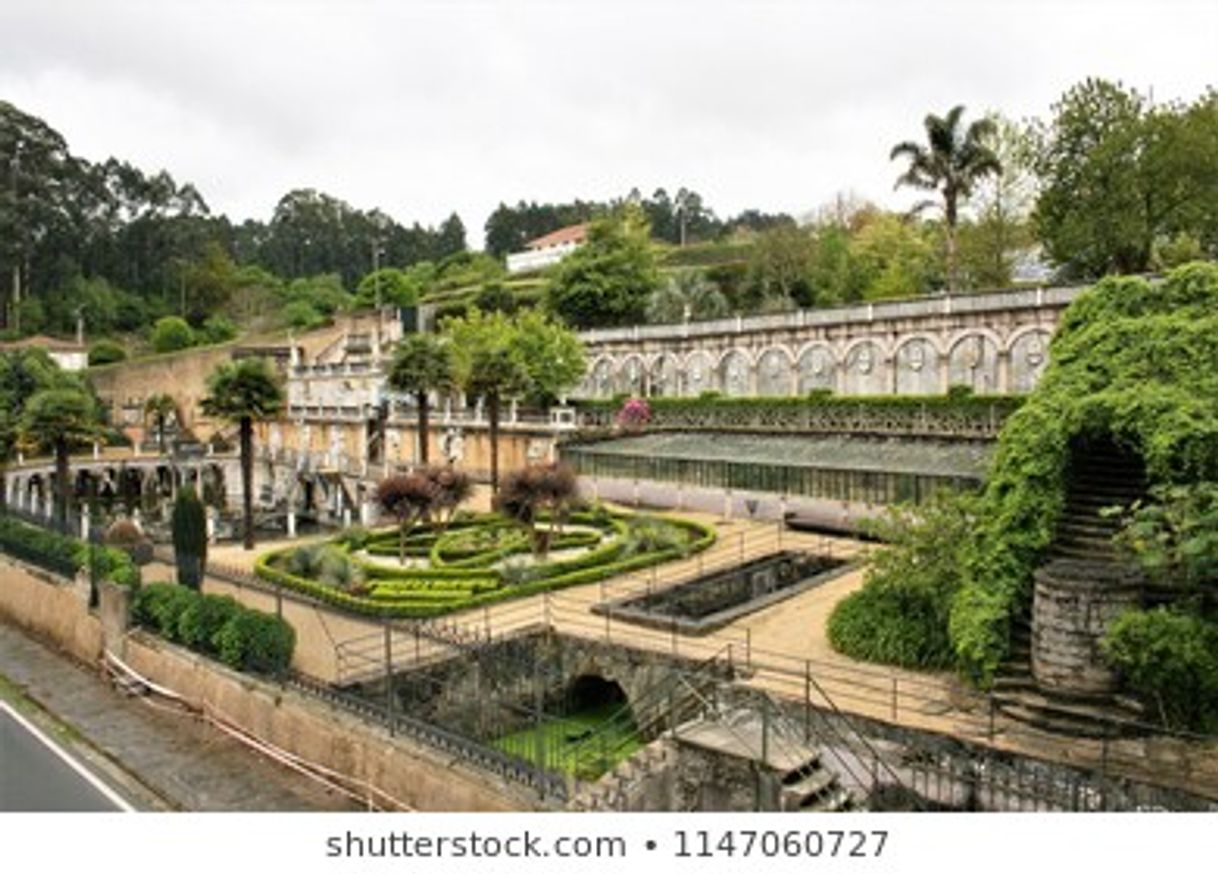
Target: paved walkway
[{"x": 181, "y": 763}]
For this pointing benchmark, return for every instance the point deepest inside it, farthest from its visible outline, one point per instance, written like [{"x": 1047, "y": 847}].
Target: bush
[
  {"x": 171, "y": 334},
  {"x": 217, "y": 329},
  {"x": 200, "y": 622},
  {"x": 256, "y": 642},
  {"x": 160, "y": 608},
  {"x": 106, "y": 352},
  {"x": 901, "y": 614},
  {"x": 1169, "y": 659}
]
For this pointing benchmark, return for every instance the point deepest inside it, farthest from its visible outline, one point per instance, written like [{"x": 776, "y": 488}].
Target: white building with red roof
[{"x": 548, "y": 249}]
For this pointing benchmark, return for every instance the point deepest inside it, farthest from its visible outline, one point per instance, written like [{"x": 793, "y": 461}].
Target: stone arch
[
  {"x": 918, "y": 365},
  {"x": 601, "y": 377},
  {"x": 632, "y": 375},
  {"x": 699, "y": 374},
  {"x": 973, "y": 361},
  {"x": 1028, "y": 354},
  {"x": 816, "y": 368},
  {"x": 775, "y": 372},
  {"x": 865, "y": 370},
  {"x": 665, "y": 375},
  {"x": 590, "y": 691},
  {"x": 735, "y": 373}
]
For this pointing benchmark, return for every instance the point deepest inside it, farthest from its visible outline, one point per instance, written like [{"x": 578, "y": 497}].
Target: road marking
[{"x": 97, "y": 785}]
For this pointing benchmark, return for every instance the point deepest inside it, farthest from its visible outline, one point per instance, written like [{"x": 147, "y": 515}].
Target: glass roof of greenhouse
[{"x": 893, "y": 455}]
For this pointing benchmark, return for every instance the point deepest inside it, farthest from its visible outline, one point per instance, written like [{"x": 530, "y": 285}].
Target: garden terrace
[
  {"x": 476, "y": 561},
  {"x": 863, "y": 470}
]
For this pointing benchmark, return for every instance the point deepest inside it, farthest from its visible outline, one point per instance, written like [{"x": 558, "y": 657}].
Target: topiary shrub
[
  {"x": 189, "y": 522},
  {"x": 106, "y": 352},
  {"x": 126, "y": 535},
  {"x": 160, "y": 607},
  {"x": 256, "y": 642},
  {"x": 171, "y": 334},
  {"x": 201, "y": 621}
]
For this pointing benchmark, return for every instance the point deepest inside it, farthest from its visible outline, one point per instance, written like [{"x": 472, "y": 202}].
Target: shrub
[
  {"x": 189, "y": 522},
  {"x": 1170, "y": 659},
  {"x": 901, "y": 614},
  {"x": 217, "y": 329},
  {"x": 125, "y": 535},
  {"x": 256, "y": 642},
  {"x": 200, "y": 622},
  {"x": 634, "y": 414},
  {"x": 171, "y": 334},
  {"x": 106, "y": 352},
  {"x": 160, "y": 607}
]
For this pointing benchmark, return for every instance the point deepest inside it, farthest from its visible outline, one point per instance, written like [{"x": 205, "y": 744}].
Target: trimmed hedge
[
  {"x": 244, "y": 639},
  {"x": 427, "y": 592},
  {"x": 65, "y": 555}
]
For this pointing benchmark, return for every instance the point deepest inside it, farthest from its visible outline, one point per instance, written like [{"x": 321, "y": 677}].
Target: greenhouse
[{"x": 847, "y": 468}]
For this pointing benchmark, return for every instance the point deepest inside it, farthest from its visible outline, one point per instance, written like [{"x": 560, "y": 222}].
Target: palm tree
[
  {"x": 953, "y": 163},
  {"x": 422, "y": 363},
  {"x": 158, "y": 407},
  {"x": 244, "y": 392},
  {"x": 60, "y": 419}
]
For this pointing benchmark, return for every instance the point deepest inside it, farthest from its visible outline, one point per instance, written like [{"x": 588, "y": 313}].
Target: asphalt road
[{"x": 38, "y": 775}]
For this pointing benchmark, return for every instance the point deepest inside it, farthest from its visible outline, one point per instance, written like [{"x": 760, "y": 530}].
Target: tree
[
  {"x": 487, "y": 365},
  {"x": 686, "y": 295},
  {"x": 409, "y": 497},
  {"x": 189, "y": 523},
  {"x": 551, "y": 353},
  {"x": 245, "y": 392},
  {"x": 159, "y": 407},
  {"x": 1002, "y": 207},
  {"x": 1119, "y": 173},
  {"x": 61, "y": 419},
  {"x": 106, "y": 352},
  {"x": 422, "y": 363},
  {"x": 452, "y": 489},
  {"x": 952, "y": 163},
  {"x": 779, "y": 266},
  {"x": 607, "y": 281},
  {"x": 171, "y": 334},
  {"x": 533, "y": 490},
  {"x": 388, "y": 286}
]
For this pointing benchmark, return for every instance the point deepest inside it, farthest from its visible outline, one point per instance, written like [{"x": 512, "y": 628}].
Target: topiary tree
[
  {"x": 189, "y": 524},
  {"x": 532, "y": 490},
  {"x": 106, "y": 352},
  {"x": 408, "y": 497},
  {"x": 453, "y": 488}
]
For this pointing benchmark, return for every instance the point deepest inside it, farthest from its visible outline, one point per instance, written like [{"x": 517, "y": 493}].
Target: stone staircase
[{"x": 1101, "y": 476}]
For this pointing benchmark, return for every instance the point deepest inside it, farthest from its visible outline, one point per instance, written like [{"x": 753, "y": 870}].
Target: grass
[{"x": 560, "y": 743}]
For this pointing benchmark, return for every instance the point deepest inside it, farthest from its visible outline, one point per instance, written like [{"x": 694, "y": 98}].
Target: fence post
[
  {"x": 748, "y": 647},
  {"x": 741, "y": 547},
  {"x": 807, "y": 700},
  {"x": 1104, "y": 772},
  {"x": 894, "y": 699},
  {"x": 486, "y": 621},
  {"x": 389, "y": 674},
  {"x": 991, "y": 696},
  {"x": 672, "y": 626}
]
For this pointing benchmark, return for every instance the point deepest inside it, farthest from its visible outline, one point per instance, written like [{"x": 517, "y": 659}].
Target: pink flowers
[{"x": 634, "y": 414}]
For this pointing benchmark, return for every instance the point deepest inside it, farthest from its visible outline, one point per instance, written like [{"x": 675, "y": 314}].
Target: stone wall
[
  {"x": 317, "y": 733},
  {"x": 50, "y": 608}
]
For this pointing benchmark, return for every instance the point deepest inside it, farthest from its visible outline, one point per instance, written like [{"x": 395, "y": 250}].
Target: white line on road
[{"x": 100, "y": 787}]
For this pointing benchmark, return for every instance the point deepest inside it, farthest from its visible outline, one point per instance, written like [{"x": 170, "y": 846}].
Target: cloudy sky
[{"x": 421, "y": 108}]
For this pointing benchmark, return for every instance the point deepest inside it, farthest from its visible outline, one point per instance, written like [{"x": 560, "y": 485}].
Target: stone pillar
[
  {"x": 291, "y": 522},
  {"x": 96, "y": 450},
  {"x": 513, "y": 411},
  {"x": 114, "y": 608},
  {"x": 1004, "y": 371},
  {"x": 346, "y": 516},
  {"x": 1074, "y": 602},
  {"x": 727, "y": 504},
  {"x": 365, "y": 512},
  {"x": 945, "y": 372},
  {"x": 84, "y": 522}
]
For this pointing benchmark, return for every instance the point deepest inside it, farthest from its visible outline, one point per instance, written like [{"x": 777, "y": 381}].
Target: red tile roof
[{"x": 569, "y": 234}]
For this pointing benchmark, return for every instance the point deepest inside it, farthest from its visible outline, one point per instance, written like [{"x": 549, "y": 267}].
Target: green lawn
[{"x": 584, "y": 744}]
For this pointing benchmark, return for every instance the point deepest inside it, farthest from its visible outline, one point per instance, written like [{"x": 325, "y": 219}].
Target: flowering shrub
[{"x": 634, "y": 414}]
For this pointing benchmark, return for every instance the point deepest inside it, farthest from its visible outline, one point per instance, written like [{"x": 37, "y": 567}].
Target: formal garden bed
[{"x": 476, "y": 560}]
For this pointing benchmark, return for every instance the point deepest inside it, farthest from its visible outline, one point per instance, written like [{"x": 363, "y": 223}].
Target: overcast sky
[{"x": 425, "y": 108}]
